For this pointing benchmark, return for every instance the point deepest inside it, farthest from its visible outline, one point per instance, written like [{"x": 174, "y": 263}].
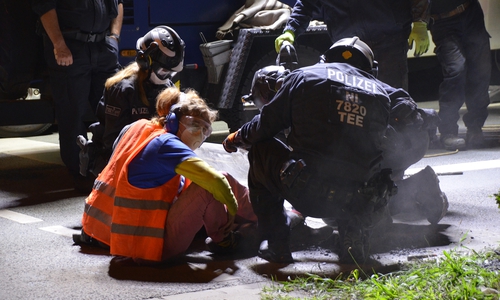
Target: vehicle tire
[{"x": 23, "y": 130}]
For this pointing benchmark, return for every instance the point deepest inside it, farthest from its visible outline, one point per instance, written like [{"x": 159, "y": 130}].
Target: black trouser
[
  {"x": 266, "y": 195},
  {"x": 404, "y": 147},
  {"x": 339, "y": 198},
  {"x": 77, "y": 89}
]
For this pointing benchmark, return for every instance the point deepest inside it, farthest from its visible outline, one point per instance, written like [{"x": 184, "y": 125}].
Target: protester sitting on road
[
  {"x": 155, "y": 193},
  {"x": 332, "y": 164},
  {"x": 131, "y": 93}
]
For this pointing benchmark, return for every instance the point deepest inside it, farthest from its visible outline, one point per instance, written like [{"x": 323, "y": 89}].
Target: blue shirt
[{"x": 156, "y": 163}]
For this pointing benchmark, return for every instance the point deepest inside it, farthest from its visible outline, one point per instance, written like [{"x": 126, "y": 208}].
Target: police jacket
[
  {"x": 82, "y": 15},
  {"x": 338, "y": 116},
  {"x": 445, "y": 6},
  {"x": 376, "y": 22},
  {"x": 121, "y": 105}
]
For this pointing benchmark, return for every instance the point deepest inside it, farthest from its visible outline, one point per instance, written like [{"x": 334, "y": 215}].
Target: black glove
[
  {"x": 405, "y": 113},
  {"x": 88, "y": 155},
  {"x": 82, "y": 142},
  {"x": 430, "y": 117}
]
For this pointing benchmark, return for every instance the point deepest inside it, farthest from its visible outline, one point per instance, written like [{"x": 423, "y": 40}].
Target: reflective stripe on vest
[
  {"x": 139, "y": 215},
  {"x": 100, "y": 211}
]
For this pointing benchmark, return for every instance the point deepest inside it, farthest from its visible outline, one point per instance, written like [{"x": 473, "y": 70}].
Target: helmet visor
[
  {"x": 172, "y": 63},
  {"x": 162, "y": 73}
]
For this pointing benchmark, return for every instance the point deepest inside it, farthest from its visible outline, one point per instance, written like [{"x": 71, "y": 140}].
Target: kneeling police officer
[{"x": 331, "y": 165}]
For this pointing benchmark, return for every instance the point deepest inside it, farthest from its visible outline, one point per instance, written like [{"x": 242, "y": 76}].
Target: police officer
[
  {"x": 406, "y": 141},
  {"x": 463, "y": 49},
  {"x": 331, "y": 167},
  {"x": 130, "y": 94},
  {"x": 388, "y": 27},
  {"x": 81, "y": 50}
]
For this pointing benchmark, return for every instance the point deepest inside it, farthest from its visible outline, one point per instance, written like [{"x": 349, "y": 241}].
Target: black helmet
[
  {"x": 266, "y": 82},
  {"x": 352, "y": 51},
  {"x": 161, "y": 50}
]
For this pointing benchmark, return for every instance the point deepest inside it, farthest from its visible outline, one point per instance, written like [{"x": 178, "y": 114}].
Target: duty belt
[
  {"x": 458, "y": 10},
  {"x": 87, "y": 37}
]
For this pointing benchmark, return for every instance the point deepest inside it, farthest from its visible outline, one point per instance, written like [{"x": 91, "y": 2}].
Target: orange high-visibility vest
[{"x": 130, "y": 220}]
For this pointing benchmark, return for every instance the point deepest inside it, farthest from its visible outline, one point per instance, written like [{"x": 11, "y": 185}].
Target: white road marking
[
  {"x": 35, "y": 150},
  {"x": 463, "y": 167},
  {"x": 61, "y": 230},
  {"x": 18, "y": 217}
]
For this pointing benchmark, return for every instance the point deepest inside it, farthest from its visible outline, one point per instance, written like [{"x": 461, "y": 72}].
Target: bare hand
[{"x": 63, "y": 56}]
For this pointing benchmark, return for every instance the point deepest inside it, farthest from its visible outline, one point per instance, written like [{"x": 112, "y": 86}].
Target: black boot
[
  {"x": 420, "y": 192},
  {"x": 274, "y": 226},
  {"x": 277, "y": 252},
  {"x": 354, "y": 244}
]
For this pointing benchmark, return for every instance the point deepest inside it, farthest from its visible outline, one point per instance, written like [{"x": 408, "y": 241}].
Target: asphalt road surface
[{"x": 39, "y": 211}]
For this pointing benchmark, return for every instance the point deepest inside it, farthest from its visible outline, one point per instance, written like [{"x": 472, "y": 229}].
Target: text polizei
[{"x": 352, "y": 80}]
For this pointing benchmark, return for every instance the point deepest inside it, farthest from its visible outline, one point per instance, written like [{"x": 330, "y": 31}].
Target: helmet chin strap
[{"x": 154, "y": 79}]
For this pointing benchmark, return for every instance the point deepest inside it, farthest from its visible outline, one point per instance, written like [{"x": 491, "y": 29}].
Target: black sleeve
[
  {"x": 40, "y": 7},
  {"x": 302, "y": 14},
  {"x": 117, "y": 110}
]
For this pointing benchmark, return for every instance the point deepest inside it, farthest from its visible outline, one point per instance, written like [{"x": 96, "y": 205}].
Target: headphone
[
  {"x": 172, "y": 121},
  {"x": 143, "y": 58}
]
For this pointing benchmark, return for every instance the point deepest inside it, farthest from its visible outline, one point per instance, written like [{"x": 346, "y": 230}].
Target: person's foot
[
  {"x": 295, "y": 217},
  {"x": 452, "y": 142},
  {"x": 354, "y": 245},
  {"x": 431, "y": 201},
  {"x": 228, "y": 245},
  {"x": 84, "y": 239},
  {"x": 277, "y": 252},
  {"x": 474, "y": 138}
]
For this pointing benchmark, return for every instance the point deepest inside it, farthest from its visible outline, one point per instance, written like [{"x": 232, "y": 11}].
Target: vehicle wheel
[
  {"x": 29, "y": 129},
  {"x": 23, "y": 130}
]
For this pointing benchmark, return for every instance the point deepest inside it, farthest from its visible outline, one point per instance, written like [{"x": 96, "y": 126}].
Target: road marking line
[
  {"x": 21, "y": 146},
  {"x": 18, "y": 217},
  {"x": 471, "y": 166},
  {"x": 61, "y": 230}
]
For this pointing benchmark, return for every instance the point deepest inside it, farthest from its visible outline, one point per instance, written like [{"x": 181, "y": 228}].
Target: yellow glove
[
  {"x": 420, "y": 36},
  {"x": 288, "y": 35}
]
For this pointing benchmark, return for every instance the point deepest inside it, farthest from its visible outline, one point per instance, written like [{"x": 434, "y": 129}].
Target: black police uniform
[
  {"x": 384, "y": 25},
  {"x": 119, "y": 106},
  {"x": 338, "y": 116},
  {"x": 343, "y": 122},
  {"x": 77, "y": 88}
]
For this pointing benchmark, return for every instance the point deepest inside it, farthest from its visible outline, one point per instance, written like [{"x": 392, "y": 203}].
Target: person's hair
[
  {"x": 188, "y": 103},
  {"x": 131, "y": 70}
]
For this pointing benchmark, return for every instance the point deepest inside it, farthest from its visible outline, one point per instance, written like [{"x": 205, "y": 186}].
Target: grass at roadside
[{"x": 455, "y": 275}]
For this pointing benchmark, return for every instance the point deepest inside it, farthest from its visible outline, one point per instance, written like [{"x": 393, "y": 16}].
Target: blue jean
[{"x": 463, "y": 50}]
